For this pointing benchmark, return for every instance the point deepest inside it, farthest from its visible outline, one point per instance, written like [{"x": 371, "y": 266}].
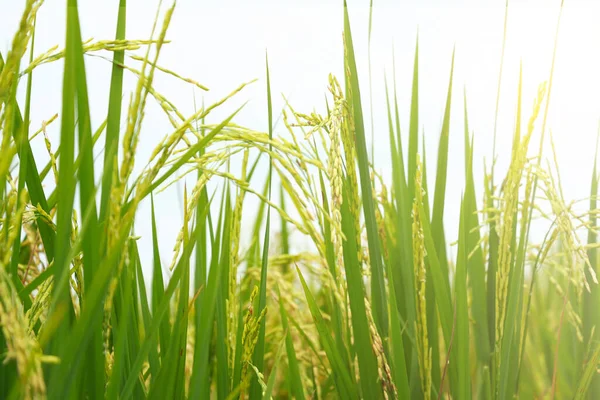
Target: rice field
[{"x": 382, "y": 306}]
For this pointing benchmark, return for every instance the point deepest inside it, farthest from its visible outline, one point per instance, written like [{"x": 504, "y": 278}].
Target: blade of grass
[
  {"x": 462, "y": 344},
  {"x": 378, "y": 293},
  {"x": 34, "y": 187},
  {"x": 498, "y": 91},
  {"x": 120, "y": 334},
  {"x": 591, "y": 320},
  {"x": 370, "y": 83},
  {"x": 413, "y": 137},
  {"x": 222, "y": 368},
  {"x": 146, "y": 345},
  {"x": 66, "y": 184},
  {"x": 272, "y": 376},
  {"x": 475, "y": 262},
  {"x": 113, "y": 119},
  {"x": 82, "y": 330},
  {"x": 441, "y": 287},
  {"x": 437, "y": 224},
  {"x": 404, "y": 283},
  {"x": 95, "y": 373},
  {"x": 153, "y": 358},
  {"x": 437, "y": 219},
  {"x": 158, "y": 288},
  {"x": 343, "y": 380},
  {"x": 258, "y": 356},
  {"x": 180, "y": 327},
  {"x": 367, "y": 363},
  {"x": 397, "y": 356},
  {"x": 200, "y": 380}
]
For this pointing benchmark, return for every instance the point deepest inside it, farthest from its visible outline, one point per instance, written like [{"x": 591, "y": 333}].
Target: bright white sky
[{"x": 223, "y": 43}]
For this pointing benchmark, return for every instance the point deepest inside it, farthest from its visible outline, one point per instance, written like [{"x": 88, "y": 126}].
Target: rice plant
[{"x": 377, "y": 309}]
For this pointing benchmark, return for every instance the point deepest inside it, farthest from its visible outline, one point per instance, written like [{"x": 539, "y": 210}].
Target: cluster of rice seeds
[
  {"x": 249, "y": 338},
  {"x": 120, "y": 180},
  {"x": 509, "y": 203},
  {"x": 53, "y": 54},
  {"x": 22, "y": 347},
  {"x": 383, "y": 368},
  {"x": 12, "y": 211},
  {"x": 9, "y": 82},
  {"x": 335, "y": 173},
  {"x": 232, "y": 298},
  {"x": 423, "y": 347},
  {"x": 566, "y": 232}
]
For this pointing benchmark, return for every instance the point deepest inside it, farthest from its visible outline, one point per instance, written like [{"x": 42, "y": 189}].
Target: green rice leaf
[
  {"x": 259, "y": 350},
  {"x": 378, "y": 293}
]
